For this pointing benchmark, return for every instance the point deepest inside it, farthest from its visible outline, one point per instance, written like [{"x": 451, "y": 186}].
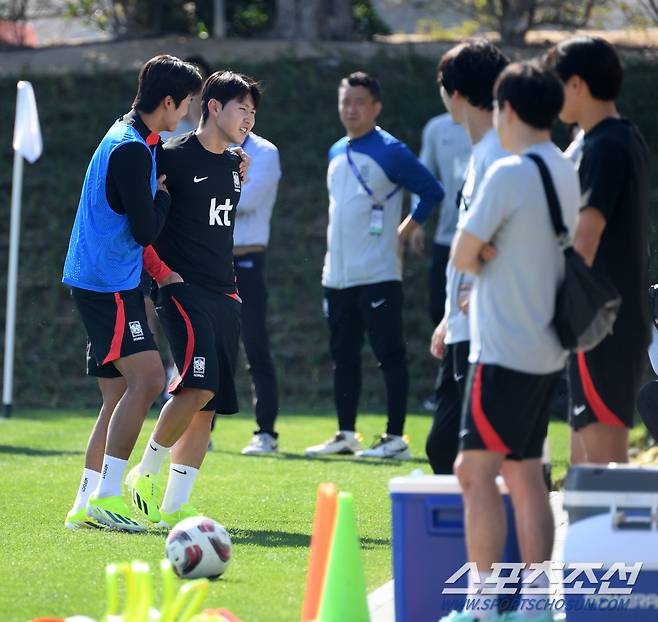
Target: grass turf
[{"x": 266, "y": 503}]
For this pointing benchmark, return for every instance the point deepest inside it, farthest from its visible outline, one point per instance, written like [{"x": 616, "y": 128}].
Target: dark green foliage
[
  {"x": 298, "y": 113},
  {"x": 249, "y": 18},
  {"x": 366, "y": 20}
]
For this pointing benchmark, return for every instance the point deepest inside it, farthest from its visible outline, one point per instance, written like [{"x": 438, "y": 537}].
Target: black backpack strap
[{"x": 551, "y": 196}]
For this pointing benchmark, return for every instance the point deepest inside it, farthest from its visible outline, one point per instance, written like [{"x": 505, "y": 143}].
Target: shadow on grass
[
  {"x": 283, "y": 455},
  {"x": 272, "y": 538},
  {"x": 347, "y": 458},
  {"x": 44, "y": 453}
]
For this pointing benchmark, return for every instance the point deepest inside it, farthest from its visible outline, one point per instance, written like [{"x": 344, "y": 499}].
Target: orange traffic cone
[{"x": 323, "y": 529}]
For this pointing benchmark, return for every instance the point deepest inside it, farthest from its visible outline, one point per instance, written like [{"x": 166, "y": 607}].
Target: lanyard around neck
[{"x": 365, "y": 186}]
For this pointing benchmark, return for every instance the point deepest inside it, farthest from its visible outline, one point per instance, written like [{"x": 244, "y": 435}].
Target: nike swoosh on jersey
[
  {"x": 198, "y": 179},
  {"x": 377, "y": 303}
]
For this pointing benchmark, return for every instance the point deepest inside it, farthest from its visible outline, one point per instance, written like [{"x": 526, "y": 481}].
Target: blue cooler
[
  {"x": 613, "y": 519},
  {"x": 429, "y": 544}
]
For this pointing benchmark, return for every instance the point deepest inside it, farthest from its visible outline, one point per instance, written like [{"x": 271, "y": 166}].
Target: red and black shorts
[
  {"x": 506, "y": 411},
  {"x": 203, "y": 329},
  {"x": 604, "y": 383},
  {"x": 116, "y": 327}
]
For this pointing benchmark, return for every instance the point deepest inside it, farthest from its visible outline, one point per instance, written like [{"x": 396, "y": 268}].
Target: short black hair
[
  {"x": 225, "y": 86},
  {"x": 472, "y": 68},
  {"x": 361, "y": 78},
  {"x": 165, "y": 75},
  {"x": 592, "y": 59},
  {"x": 534, "y": 92},
  {"x": 200, "y": 63}
]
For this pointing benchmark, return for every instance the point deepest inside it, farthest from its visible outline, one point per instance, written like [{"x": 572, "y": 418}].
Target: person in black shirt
[
  {"x": 611, "y": 235},
  {"x": 201, "y": 316}
]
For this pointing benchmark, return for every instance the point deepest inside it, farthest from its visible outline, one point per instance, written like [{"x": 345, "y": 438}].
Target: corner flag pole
[{"x": 27, "y": 144}]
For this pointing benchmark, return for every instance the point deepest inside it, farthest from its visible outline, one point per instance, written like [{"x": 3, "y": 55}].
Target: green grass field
[{"x": 266, "y": 504}]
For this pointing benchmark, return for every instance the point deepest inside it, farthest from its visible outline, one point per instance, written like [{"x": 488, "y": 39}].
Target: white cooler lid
[
  {"x": 595, "y": 539},
  {"x": 432, "y": 484}
]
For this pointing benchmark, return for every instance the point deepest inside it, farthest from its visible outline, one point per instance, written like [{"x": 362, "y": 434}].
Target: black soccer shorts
[
  {"x": 116, "y": 327},
  {"x": 203, "y": 329},
  {"x": 506, "y": 411}
]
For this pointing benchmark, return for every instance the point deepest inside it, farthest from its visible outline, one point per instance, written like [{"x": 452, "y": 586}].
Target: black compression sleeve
[{"x": 129, "y": 192}]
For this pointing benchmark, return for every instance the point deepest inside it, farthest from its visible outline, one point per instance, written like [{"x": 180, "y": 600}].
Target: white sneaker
[
  {"x": 341, "y": 443},
  {"x": 387, "y": 446},
  {"x": 261, "y": 443}
]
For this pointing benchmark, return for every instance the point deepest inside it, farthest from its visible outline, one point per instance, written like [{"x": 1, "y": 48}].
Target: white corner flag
[
  {"x": 27, "y": 132},
  {"x": 29, "y": 145}
]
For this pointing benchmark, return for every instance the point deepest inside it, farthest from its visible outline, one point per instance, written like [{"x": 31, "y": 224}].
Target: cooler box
[
  {"x": 613, "y": 520},
  {"x": 429, "y": 544}
]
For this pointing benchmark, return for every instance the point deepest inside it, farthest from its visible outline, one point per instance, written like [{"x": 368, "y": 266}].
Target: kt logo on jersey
[{"x": 219, "y": 214}]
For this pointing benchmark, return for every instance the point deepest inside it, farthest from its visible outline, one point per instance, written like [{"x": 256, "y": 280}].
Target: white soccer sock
[
  {"x": 478, "y": 614},
  {"x": 179, "y": 487},
  {"x": 541, "y": 581},
  {"x": 111, "y": 477},
  {"x": 88, "y": 484},
  {"x": 154, "y": 455},
  {"x": 348, "y": 434}
]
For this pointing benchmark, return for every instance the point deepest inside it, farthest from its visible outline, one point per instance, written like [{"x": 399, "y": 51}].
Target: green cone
[{"x": 344, "y": 597}]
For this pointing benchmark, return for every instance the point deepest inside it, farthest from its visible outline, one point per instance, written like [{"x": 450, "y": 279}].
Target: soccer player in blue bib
[{"x": 123, "y": 207}]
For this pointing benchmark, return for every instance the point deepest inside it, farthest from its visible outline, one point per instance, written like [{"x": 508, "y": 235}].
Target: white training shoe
[
  {"x": 341, "y": 443},
  {"x": 261, "y": 443},
  {"x": 387, "y": 446}
]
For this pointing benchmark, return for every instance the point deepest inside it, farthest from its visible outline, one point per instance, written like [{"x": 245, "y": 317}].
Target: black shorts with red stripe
[
  {"x": 506, "y": 411},
  {"x": 116, "y": 327},
  {"x": 203, "y": 329},
  {"x": 604, "y": 383}
]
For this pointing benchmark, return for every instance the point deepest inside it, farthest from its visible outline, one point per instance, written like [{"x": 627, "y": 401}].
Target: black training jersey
[
  {"x": 197, "y": 239},
  {"x": 614, "y": 177}
]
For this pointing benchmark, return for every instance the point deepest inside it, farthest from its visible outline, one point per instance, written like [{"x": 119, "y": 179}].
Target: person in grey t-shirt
[
  {"x": 467, "y": 74},
  {"x": 445, "y": 151},
  {"x": 515, "y": 353}
]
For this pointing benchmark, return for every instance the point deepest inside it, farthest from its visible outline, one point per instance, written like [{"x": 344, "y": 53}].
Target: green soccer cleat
[
  {"x": 80, "y": 520},
  {"x": 113, "y": 512},
  {"x": 186, "y": 510},
  {"x": 145, "y": 493}
]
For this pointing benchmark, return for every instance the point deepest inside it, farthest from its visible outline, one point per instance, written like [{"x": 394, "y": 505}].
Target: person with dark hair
[
  {"x": 362, "y": 271},
  {"x": 611, "y": 235},
  {"x": 122, "y": 209},
  {"x": 515, "y": 354},
  {"x": 466, "y": 76},
  {"x": 201, "y": 316},
  {"x": 190, "y": 121}
]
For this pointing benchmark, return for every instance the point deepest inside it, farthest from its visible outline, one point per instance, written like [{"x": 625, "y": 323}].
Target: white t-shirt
[
  {"x": 484, "y": 154},
  {"x": 513, "y": 301},
  {"x": 445, "y": 152},
  {"x": 252, "y": 218}
]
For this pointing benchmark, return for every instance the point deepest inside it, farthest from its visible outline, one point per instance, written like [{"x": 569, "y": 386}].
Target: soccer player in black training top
[
  {"x": 611, "y": 234},
  {"x": 201, "y": 316}
]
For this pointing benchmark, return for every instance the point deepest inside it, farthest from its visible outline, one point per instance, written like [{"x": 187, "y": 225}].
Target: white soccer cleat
[
  {"x": 341, "y": 443},
  {"x": 387, "y": 446},
  {"x": 261, "y": 443}
]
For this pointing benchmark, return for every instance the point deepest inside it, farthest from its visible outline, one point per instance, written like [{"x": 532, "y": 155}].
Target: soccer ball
[{"x": 198, "y": 547}]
